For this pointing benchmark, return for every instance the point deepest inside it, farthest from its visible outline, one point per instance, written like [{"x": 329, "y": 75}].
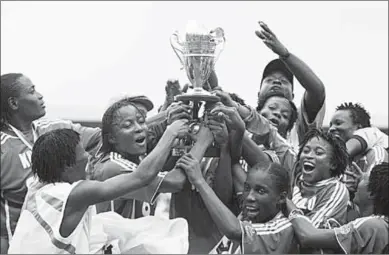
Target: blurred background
[{"x": 84, "y": 55}]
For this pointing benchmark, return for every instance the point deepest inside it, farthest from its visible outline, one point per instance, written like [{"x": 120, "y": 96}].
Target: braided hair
[
  {"x": 378, "y": 187},
  {"x": 339, "y": 151},
  {"x": 10, "y": 87},
  {"x": 358, "y": 113},
  {"x": 53, "y": 152}
]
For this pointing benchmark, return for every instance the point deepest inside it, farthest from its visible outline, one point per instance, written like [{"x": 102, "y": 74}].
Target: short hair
[
  {"x": 339, "y": 150},
  {"x": 261, "y": 103},
  {"x": 53, "y": 152},
  {"x": 10, "y": 87},
  {"x": 108, "y": 122},
  {"x": 279, "y": 175},
  {"x": 378, "y": 187},
  {"x": 358, "y": 113}
]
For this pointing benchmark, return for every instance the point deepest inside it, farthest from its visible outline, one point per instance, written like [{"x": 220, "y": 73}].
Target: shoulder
[
  {"x": 5, "y": 138},
  {"x": 275, "y": 226},
  {"x": 110, "y": 165},
  {"x": 371, "y": 222}
]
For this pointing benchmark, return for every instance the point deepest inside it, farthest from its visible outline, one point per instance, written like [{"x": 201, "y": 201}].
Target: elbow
[{"x": 234, "y": 233}]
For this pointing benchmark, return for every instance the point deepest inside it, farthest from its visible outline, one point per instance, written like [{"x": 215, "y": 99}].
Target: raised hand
[
  {"x": 178, "y": 110},
  {"x": 225, "y": 98},
  {"x": 271, "y": 40},
  {"x": 179, "y": 128},
  {"x": 231, "y": 117},
  {"x": 191, "y": 166},
  {"x": 219, "y": 129}
]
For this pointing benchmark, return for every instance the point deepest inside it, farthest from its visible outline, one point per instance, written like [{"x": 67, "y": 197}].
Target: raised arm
[
  {"x": 315, "y": 90},
  {"x": 224, "y": 219},
  {"x": 92, "y": 192}
]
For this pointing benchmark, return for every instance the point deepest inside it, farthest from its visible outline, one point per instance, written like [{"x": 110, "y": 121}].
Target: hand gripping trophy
[{"x": 198, "y": 53}]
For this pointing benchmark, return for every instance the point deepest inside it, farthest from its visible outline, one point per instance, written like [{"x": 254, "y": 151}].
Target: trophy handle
[
  {"x": 177, "y": 46},
  {"x": 219, "y": 39}
]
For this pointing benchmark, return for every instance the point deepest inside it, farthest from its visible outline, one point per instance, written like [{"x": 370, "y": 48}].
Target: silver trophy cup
[{"x": 198, "y": 52}]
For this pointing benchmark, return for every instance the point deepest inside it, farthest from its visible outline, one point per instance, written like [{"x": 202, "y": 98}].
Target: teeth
[{"x": 309, "y": 164}]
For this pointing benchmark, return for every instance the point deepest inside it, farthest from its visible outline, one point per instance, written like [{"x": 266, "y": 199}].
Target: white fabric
[
  {"x": 38, "y": 227},
  {"x": 146, "y": 235}
]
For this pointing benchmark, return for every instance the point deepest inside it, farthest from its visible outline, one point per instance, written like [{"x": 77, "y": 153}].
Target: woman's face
[
  {"x": 316, "y": 160},
  {"x": 342, "y": 125},
  {"x": 279, "y": 112},
  {"x": 29, "y": 103},
  {"x": 130, "y": 130},
  {"x": 261, "y": 197}
]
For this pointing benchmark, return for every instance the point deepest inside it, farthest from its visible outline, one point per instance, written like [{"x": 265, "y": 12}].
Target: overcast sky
[{"x": 83, "y": 55}]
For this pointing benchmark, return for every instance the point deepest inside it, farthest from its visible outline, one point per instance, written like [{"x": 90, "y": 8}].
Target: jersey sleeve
[
  {"x": 370, "y": 137},
  {"x": 375, "y": 156},
  {"x": 266, "y": 238},
  {"x": 118, "y": 166},
  {"x": 303, "y": 124},
  {"x": 331, "y": 205},
  {"x": 364, "y": 235}
]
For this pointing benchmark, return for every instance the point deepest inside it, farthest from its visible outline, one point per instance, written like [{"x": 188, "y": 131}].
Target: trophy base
[{"x": 203, "y": 95}]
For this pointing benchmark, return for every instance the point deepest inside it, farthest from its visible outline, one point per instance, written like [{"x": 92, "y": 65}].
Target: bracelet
[
  {"x": 295, "y": 213},
  {"x": 285, "y": 56}
]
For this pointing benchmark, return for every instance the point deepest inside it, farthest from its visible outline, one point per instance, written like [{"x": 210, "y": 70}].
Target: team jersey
[
  {"x": 374, "y": 156},
  {"x": 257, "y": 125},
  {"x": 370, "y": 137},
  {"x": 134, "y": 205},
  {"x": 367, "y": 235},
  {"x": 39, "y": 224},
  {"x": 16, "y": 165},
  {"x": 273, "y": 237},
  {"x": 324, "y": 203},
  {"x": 188, "y": 204}
]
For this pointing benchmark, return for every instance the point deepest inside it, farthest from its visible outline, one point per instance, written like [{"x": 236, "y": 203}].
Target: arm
[
  {"x": 92, "y": 192},
  {"x": 314, "y": 95},
  {"x": 307, "y": 234},
  {"x": 314, "y": 88},
  {"x": 252, "y": 153},
  {"x": 223, "y": 178},
  {"x": 224, "y": 219}
]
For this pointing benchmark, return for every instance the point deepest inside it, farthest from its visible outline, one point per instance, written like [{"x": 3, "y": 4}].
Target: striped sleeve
[
  {"x": 333, "y": 205},
  {"x": 118, "y": 165},
  {"x": 368, "y": 235},
  {"x": 272, "y": 237},
  {"x": 376, "y": 156}
]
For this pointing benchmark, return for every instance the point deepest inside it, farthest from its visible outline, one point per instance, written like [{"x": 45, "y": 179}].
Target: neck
[
  {"x": 132, "y": 158},
  {"x": 21, "y": 124}
]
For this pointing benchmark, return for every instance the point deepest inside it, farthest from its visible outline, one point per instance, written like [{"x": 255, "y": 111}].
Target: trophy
[{"x": 198, "y": 52}]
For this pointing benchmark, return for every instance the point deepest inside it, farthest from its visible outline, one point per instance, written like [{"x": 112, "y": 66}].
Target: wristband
[{"x": 295, "y": 213}]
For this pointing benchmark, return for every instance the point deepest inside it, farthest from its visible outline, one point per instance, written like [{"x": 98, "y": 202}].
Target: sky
[{"x": 82, "y": 56}]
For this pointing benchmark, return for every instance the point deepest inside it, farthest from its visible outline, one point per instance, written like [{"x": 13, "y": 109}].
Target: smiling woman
[{"x": 317, "y": 190}]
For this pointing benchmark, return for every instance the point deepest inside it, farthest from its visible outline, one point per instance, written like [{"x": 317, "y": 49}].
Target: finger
[
  {"x": 267, "y": 35},
  {"x": 185, "y": 88},
  {"x": 223, "y": 109},
  {"x": 265, "y": 27},
  {"x": 182, "y": 115},
  {"x": 260, "y": 35},
  {"x": 357, "y": 168}
]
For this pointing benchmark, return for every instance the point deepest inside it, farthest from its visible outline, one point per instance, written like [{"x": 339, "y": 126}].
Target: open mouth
[
  {"x": 308, "y": 166},
  {"x": 252, "y": 211},
  {"x": 140, "y": 140},
  {"x": 274, "y": 122}
]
